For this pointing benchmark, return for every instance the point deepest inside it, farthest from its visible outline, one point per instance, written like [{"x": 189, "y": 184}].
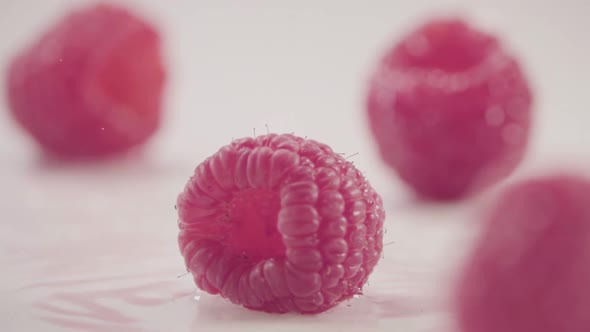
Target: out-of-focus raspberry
[
  {"x": 91, "y": 86},
  {"x": 450, "y": 110},
  {"x": 529, "y": 270}
]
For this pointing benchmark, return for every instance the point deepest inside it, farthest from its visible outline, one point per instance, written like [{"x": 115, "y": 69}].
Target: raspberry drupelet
[
  {"x": 279, "y": 223},
  {"x": 450, "y": 110}
]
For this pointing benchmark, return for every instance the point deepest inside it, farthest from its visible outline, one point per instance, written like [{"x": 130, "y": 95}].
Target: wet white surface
[{"x": 93, "y": 248}]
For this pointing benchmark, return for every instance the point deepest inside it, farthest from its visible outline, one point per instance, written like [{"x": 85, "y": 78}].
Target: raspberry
[
  {"x": 280, "y": 224},
  {"x": 450, "y": 110},
  {"x": 91, "y": 86},
  {"x": 530, "y": 269}
]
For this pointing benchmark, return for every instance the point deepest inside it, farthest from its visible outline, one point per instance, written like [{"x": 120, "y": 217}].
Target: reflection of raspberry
[
  {"x": 91, "y": 86},
  {"x": 278, "y": 224},
  {"x": 530, "y": 269},
  {"x": 450, "y": 110}
]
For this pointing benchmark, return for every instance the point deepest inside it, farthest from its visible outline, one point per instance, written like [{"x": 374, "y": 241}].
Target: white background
[{"x": 93, "y": 231}]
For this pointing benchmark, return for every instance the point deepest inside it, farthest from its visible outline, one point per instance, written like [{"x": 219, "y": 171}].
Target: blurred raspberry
[
  {"x": 279, "y": 223},
  {"x": 450, "y": 110},
  {"x": 529, "y": 271},
  {"x": 91, "y": 86}
]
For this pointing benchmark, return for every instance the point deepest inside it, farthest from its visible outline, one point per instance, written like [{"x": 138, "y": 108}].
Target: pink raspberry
[
  {"x": 529, "y": 272},
  {"x": 450, "y": 110},
  {"x": 280, "y": 224},
  {"x": 91, "y": 86}
]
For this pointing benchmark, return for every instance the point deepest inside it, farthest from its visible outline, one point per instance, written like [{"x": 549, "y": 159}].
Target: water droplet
[
  {"x": 437, "y": 78},
  {"x": 517, "y": 108},
  {"x": 495, "y": 116},
  {"x": 102, "y": 128},
  {"x": 513, "y": 134},
  {"x": 197, "y": 297},
  {"x": 355, "y": 296},
  {"x": 458, "y": 82},
  {"x": 499, "y": 86},
  {"x": 417, "y": 45}
]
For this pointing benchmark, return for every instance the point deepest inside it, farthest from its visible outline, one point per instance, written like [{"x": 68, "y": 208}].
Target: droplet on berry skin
[
  {"x": 91, "y": 86},
  {"x": 280, "y": 223},
  {"x": 450, "y": 110},
  {"x": 530, "y": 268}
]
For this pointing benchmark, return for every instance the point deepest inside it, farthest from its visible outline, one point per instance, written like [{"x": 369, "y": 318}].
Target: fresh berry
[
  {"x": 280, "y": 224},
  {"x": 450, "y": 110},
  {"x": 529, "y": 271},
  {"x": 91, "y": 86}
]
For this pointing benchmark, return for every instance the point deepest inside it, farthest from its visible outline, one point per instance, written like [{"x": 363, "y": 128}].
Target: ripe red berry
[
  {"x": 450, "y": 110},
  {"x": 279, "y": 223},
  {"x": 529, "y": 271},
  {"x": 91, "y": 86}
]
